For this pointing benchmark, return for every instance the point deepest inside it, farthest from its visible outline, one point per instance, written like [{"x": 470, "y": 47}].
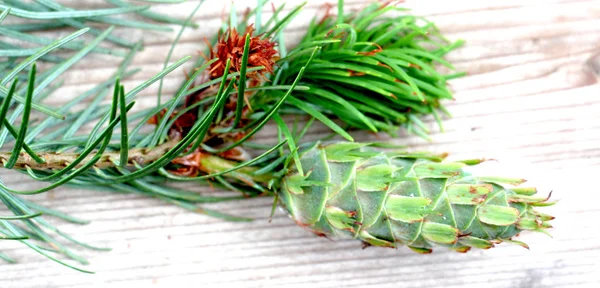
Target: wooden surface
[{"x": 531, "y": 96}]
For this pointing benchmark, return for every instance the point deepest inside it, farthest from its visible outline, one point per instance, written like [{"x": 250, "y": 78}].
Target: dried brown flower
[{"x": 231, "y": 46}]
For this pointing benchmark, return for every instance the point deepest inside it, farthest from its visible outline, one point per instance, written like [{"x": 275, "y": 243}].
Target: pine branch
[
  {"x": 371, "y": 72},
  {"x": 27, "y": 226}
]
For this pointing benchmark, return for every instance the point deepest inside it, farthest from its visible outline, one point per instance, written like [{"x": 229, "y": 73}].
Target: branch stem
[
  {"x": 209, "y": 163},
  {"x": 55, "y": 161}
]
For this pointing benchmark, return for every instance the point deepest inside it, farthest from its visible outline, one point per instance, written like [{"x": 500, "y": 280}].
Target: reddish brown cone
[{"x": 231, "y": 46}]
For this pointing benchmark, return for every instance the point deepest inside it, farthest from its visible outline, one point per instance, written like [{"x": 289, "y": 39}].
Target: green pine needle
[
  {"x": 380, "y": 61},
  {"x": 28, "y": 225},
  {"x": 69, "y": 14}
]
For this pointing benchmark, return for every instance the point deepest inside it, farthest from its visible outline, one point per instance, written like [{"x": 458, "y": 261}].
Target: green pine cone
[{"x": 390, "y": 198}]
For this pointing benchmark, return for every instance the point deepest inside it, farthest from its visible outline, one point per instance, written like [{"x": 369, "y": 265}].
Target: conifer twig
[
  {"x": 369, "y": 72},
  {"x": 57, "y": 160}
]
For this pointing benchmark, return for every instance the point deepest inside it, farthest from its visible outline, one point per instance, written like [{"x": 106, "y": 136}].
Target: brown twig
[{"x": 55, "y": 161}]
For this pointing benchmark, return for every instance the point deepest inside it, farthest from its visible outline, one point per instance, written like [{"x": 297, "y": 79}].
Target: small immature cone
[
  {"x": 230, "y": 46},
  {"x": 413, "y": 199}
]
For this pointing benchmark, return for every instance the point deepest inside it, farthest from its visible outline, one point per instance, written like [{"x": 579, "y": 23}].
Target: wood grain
[{"x": 531, "y": 100}]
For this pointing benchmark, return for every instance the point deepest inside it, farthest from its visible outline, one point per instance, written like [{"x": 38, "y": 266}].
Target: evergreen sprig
[
  {"x": 23, "y": 90},
  {"x": 120, "y": 155},
  {"x": 374, "y": 72}
]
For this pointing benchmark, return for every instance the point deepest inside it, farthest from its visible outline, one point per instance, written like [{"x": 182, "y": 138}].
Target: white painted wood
[{"x": 531, "y": 97}]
